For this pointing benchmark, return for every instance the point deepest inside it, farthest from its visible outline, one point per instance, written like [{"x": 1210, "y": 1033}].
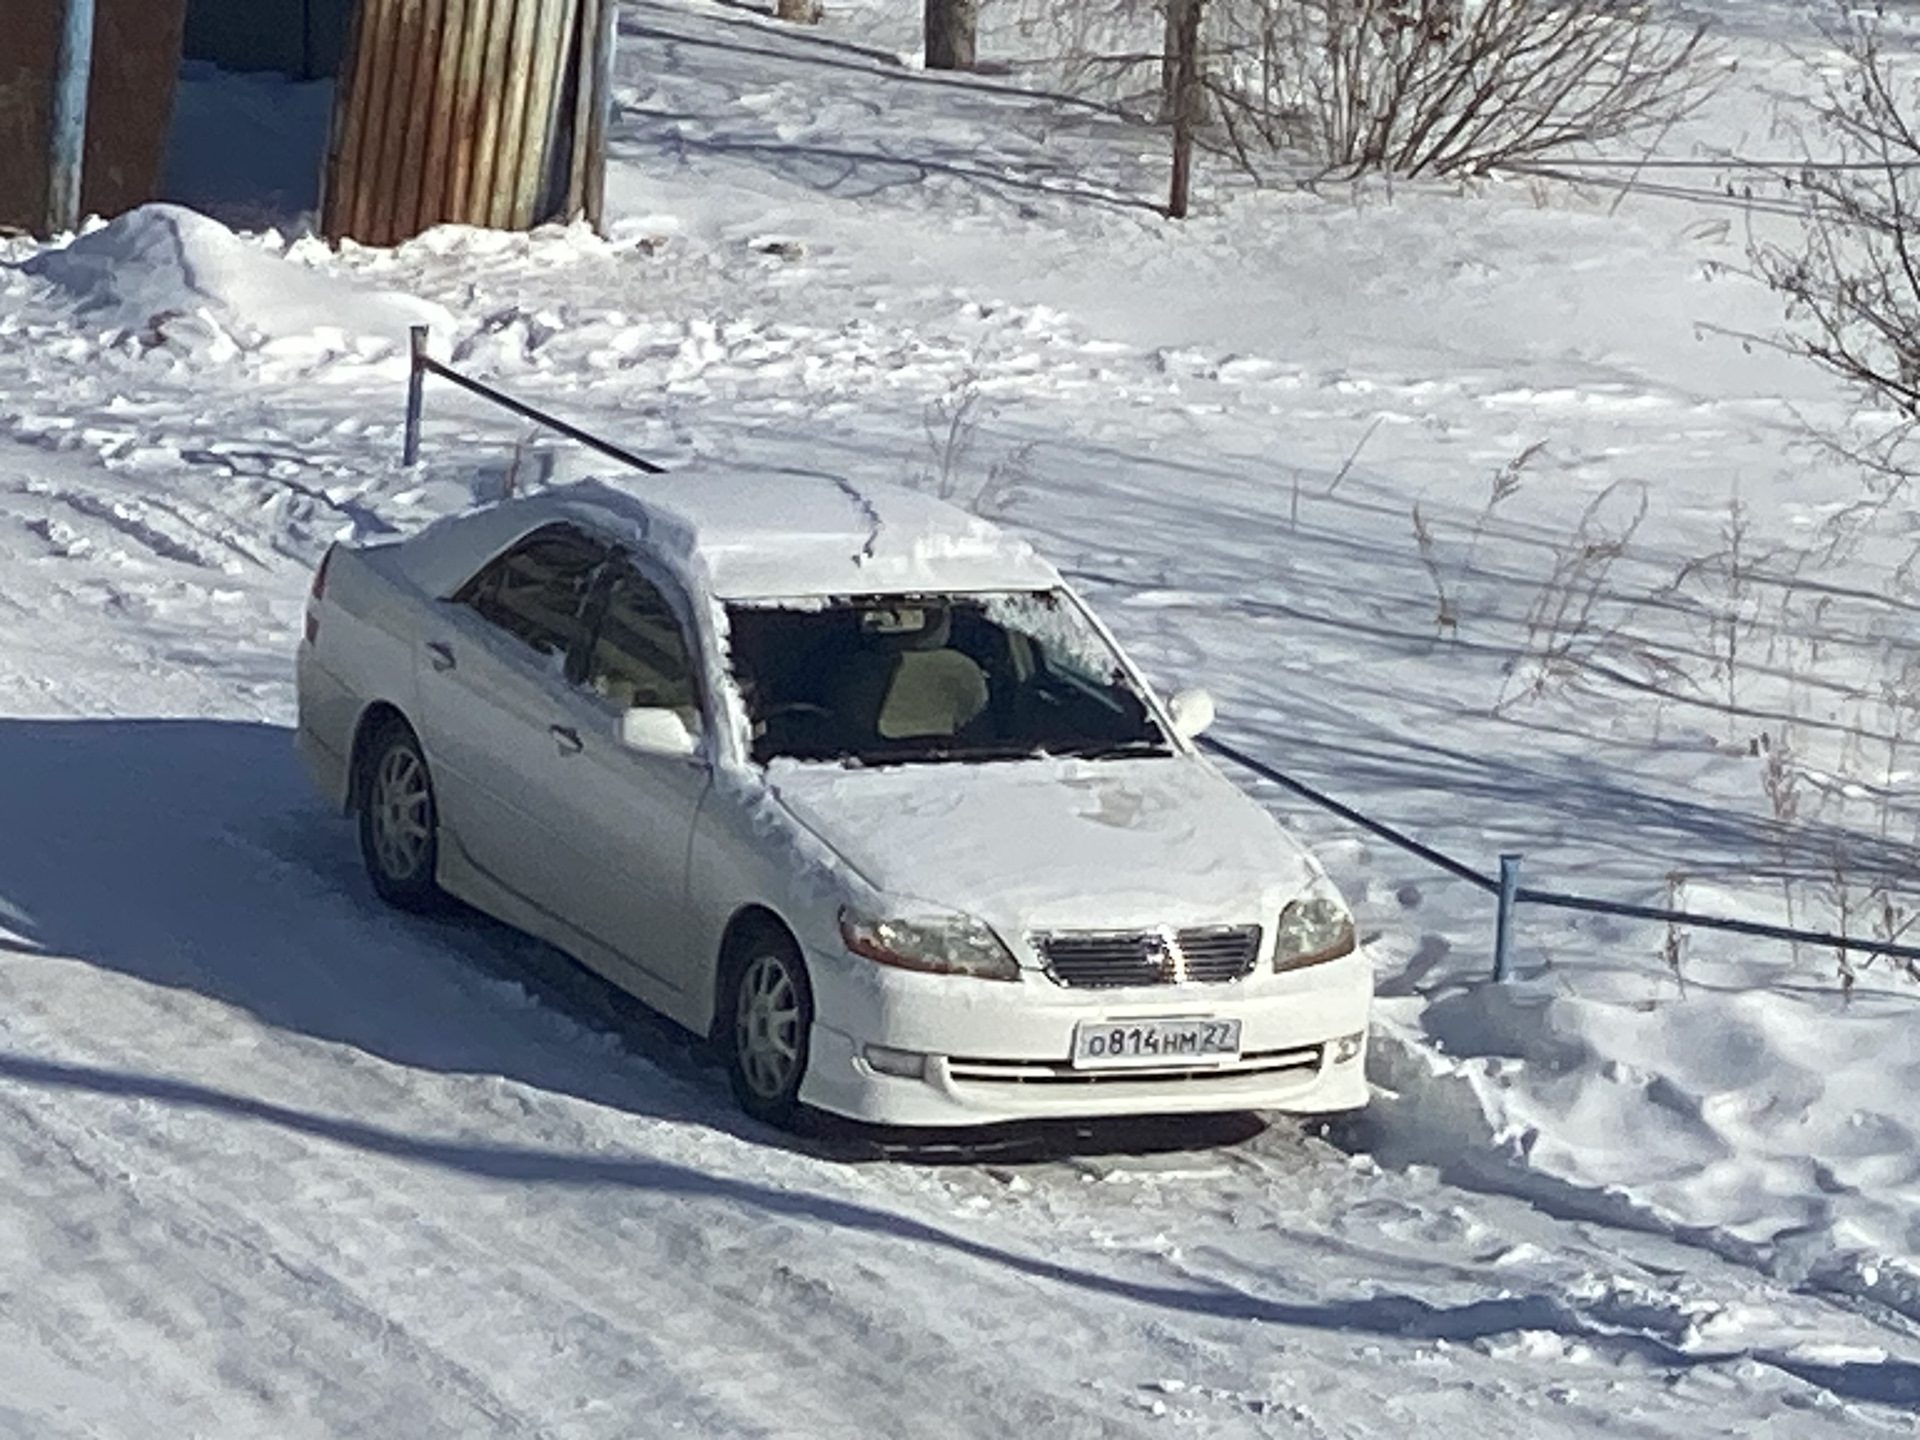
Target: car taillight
[
  {"x": 316, "y": 594},
  {"x": 319, "y": 590}
]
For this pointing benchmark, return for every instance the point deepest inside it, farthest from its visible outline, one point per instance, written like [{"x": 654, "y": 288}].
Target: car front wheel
[
  {"x": 399, "y": 829},
  {"x": 769, "y": 1019}
]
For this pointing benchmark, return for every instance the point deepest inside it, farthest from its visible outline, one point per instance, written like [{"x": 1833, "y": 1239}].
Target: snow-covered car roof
[{"x": 746, "y": 535}]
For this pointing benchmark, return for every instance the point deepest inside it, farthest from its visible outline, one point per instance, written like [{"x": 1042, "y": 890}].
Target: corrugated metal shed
[
  {"x": 482, "y": 112},
  {"x": 301, "y": 38},
  {"x": 136, "y": 57}
]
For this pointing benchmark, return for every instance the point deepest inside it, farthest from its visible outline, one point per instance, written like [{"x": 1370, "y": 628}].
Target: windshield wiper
[
  {"x": 1111, "y": 749},
  {"x": 945, "y": 754}
]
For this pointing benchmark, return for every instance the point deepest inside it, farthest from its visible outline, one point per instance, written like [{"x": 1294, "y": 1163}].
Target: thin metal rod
[
  {"x": 1347, "y": 812},
  {"x": 416, "y": 394},
  {"x": 1555, "y": 901},
  {"x": 67, "y": 134},
  {"x": 1503, "y": 920},
  {"x": 424, "y": 365}
]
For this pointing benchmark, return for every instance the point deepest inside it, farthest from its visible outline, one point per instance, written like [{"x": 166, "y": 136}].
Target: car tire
[
  {"x": 766, "y": 1023},
  {"x": 399, "y": 823}
]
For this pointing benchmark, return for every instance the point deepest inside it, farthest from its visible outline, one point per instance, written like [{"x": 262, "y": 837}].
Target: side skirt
[{"x": 460, "y": 877}]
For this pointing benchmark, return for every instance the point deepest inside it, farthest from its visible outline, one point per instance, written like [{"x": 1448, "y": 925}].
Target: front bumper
[{"x": 992, "y": 1051}]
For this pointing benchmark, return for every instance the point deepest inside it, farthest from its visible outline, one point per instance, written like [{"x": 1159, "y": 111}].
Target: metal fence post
[
  {"x": 1503, "y": 924},
  {"x": 416, "y": 388},
  {"x": 67, "y": 135}
]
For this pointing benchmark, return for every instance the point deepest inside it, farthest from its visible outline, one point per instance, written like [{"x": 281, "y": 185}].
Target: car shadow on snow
[
  {"x": 192, "y": 854},
  {"x": 189, "y": 854},
  {"x": 1389, "y": 1315}
]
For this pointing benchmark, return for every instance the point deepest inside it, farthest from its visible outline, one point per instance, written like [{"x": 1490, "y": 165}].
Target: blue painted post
[
  {"x": 416, "y": 394},
  {"x": 1503, "y": 925},
  {"x": 67, "y": 135}
]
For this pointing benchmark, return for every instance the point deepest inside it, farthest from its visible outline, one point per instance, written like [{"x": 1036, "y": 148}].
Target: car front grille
[
  {"x": 1107, "y": 960},
  {"x": 1260, "y": 1066}
]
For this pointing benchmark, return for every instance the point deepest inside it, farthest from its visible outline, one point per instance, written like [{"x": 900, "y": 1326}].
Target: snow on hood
[
  {"x": 162, "y": 263},
  {"x": 1055, "y": 844}
]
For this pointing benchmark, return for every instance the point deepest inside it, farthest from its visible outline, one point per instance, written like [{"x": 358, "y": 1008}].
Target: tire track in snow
[
  {"x": 144, "y": 1257},
  {"x": 821, "y": 1360}
]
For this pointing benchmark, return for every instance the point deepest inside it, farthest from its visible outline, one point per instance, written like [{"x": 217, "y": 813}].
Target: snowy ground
[{"x": 277, "y": 1161}]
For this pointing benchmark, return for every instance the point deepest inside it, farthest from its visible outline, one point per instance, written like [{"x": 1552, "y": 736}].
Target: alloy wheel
[
  {"x": 401, "y": 810},
  {"x": 768, "y": 1027}
]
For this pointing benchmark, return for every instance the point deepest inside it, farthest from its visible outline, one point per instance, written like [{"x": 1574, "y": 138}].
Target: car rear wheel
[
  {"x": 399, "y": 827},
  {"x": 769, "y": 1019}
]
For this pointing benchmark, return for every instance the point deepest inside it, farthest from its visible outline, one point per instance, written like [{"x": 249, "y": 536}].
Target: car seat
[{"x": 907, "y": 683}]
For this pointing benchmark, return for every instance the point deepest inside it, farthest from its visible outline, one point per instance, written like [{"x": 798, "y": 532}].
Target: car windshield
[{"x": 895, "y": 679}]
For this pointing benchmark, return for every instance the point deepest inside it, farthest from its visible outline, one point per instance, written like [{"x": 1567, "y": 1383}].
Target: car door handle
[
  {"x": 440, "y": 654},
  {"x": 566, "y": 738}
]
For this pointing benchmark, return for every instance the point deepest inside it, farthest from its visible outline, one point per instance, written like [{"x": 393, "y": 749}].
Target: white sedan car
[{"x": 842, "y": 777}]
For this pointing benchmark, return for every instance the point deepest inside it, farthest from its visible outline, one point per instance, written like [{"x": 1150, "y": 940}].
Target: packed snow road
[{"x": 275, "y": 1160}]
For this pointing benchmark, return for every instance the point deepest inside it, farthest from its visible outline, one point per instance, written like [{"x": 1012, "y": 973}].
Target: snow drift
[{"x": 171, "y": 275}]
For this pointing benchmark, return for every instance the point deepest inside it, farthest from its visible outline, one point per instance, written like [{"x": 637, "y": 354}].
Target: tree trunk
[
  {"x": 1170, "y": 61},
  {"x": 1183, "y": 70},
  {"x": 950, "y": 26}
]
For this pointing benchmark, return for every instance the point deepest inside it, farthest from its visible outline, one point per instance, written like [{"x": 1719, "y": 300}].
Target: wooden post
[
  {"x": 601, "y": 120},
  {"x": 586, "y": 65},
  {"x": 67, "y": 136},
  {"x": 951, "y": 26},
  {"x": 1186, "y": 100},
  {"x": 540, "y": 125}
]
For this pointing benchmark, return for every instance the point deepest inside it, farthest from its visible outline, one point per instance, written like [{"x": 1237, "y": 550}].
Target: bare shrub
[
  {"x": 1449, "y": 578},
  {"x": 1673, "y": 946},
  {"x": 1565, "y": 632},
  {"x": 952, "y": 426},
  {"x": 1851, "y": 279},
  {"x": 1720, "y": 590},
  {"x": 1445, "y": 87},
  {"x": 951, "y": 422}
]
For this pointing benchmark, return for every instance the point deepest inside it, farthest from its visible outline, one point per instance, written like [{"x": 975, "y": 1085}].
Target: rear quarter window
[{"x": 537, "y": 590}]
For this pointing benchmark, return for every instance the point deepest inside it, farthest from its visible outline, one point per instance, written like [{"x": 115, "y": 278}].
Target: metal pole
[
  {"x": 1503, "y": 925},
  {"x": 416, "y": 393},
  {"x": 67, "y": 135}
]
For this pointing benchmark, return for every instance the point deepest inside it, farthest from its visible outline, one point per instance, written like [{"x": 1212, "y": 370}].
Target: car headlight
[
  {"x": 1313, "y": 929},
  {"x": 940, "y": 945}
]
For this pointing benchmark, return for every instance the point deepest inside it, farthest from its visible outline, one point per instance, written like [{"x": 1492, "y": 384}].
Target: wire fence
[
  {"x": 423, "y": 365},
  {"x": 1510, "y": 893},
  {"x": 1506, "y": 888}
]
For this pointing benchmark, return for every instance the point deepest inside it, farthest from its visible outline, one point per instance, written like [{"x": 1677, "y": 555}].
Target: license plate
[{"x": 1145, "y": 1044}]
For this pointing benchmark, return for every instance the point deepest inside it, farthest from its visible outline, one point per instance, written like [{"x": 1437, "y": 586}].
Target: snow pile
[
  {"x": 1778, "y": 1123},
  {"x": 170, "y": 275}
]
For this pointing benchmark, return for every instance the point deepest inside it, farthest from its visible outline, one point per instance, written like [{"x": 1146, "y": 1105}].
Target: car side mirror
[
  {"x": 1192, "y": 712},
  {"x": 657, "y": 730}
]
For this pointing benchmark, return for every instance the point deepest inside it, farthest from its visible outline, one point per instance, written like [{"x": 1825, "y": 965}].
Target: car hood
[{"x": 1055, "y": 843}]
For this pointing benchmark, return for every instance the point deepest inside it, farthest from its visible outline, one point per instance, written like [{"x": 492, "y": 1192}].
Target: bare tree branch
[
  {"x": 1446, "y": 87},
  {"x": 1852, "y": 281}
]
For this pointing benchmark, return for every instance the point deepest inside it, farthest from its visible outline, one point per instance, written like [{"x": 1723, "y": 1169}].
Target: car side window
[
  {"x": 638, "y": 653},
  {"x": 537, "y": 591}
]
